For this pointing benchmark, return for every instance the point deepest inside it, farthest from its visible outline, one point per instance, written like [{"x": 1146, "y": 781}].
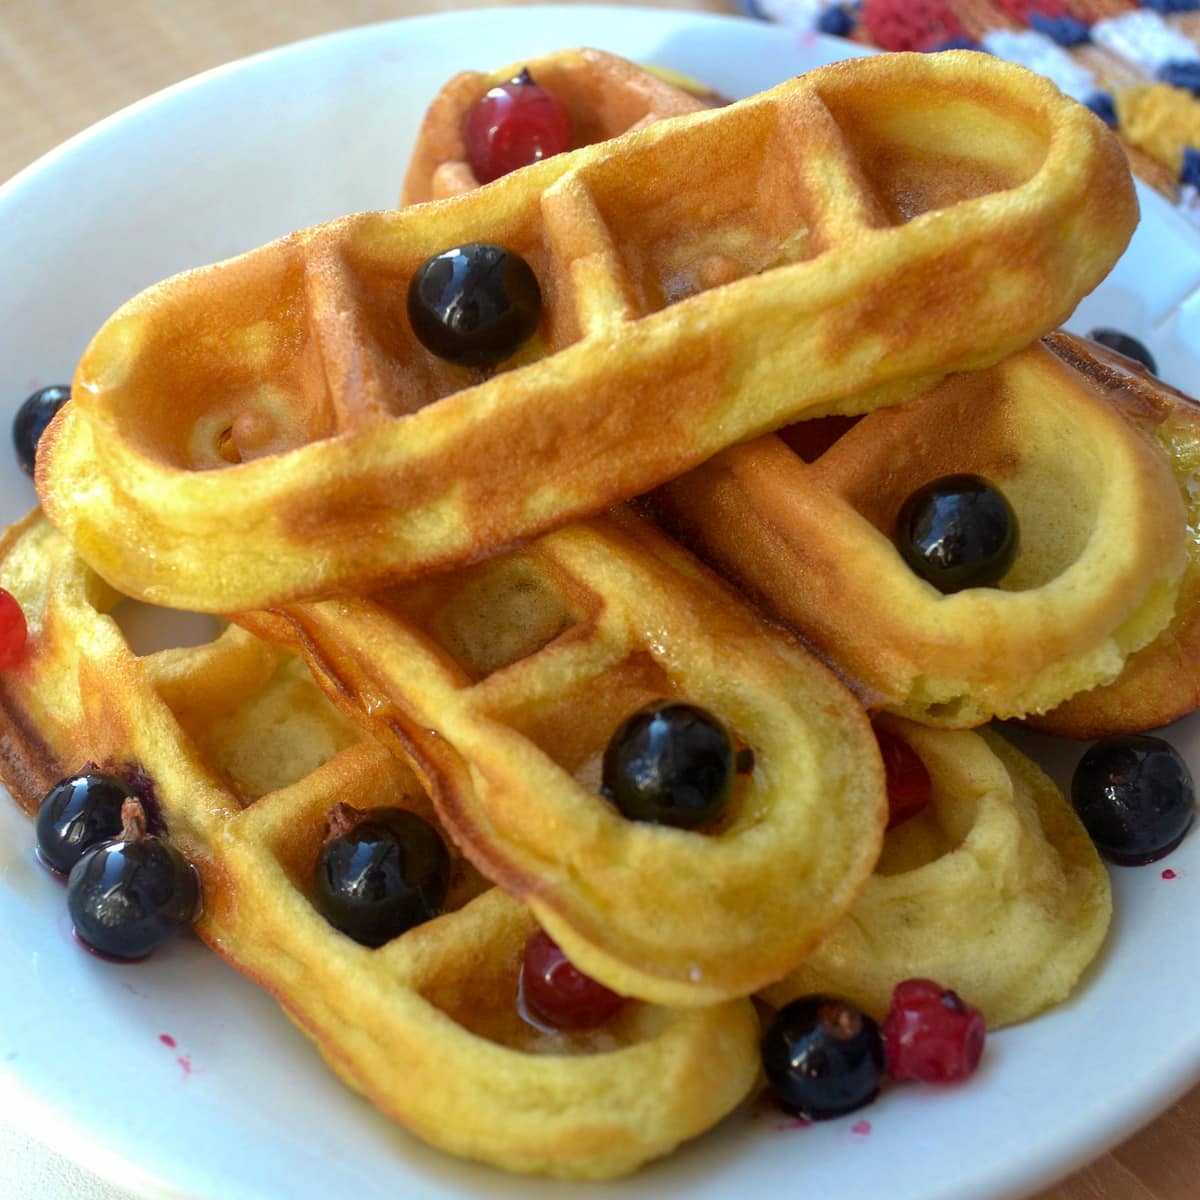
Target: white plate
[{"x": 241, "y": 1107}]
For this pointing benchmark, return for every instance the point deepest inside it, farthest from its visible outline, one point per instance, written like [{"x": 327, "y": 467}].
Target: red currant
[
  {"x": 558, "y": 991},
  {"x": 13, "y": 631},
  {"x": 908, "y": 783},
  {"x": 513, "y": 125},
  {"x": 931, "y": 1035}
]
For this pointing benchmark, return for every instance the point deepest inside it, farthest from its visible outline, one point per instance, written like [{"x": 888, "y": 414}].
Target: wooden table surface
[{"x": 67, "y": 63}]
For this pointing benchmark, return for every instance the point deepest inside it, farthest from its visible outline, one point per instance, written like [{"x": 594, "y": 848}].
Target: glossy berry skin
[
  {"x": 1134, "y": 794},
  {"x": 1127, "y": 345},
  {"x": 474, "y": 304},
  {"x": 957, "y": 532},
  {"x": 558, "y": 992},
  {"x": 931, "y": 1035},
  {"x": 908, "y": 783},
  {"x": 78, "y": 813},
  {"x": 31, "y": 420},
  {"x": 14, "y": 633},
  {"x": 672, "y": 764},
  {"x": 127, "y": 898},
  {"x": 823, "y": 1057},
  {"x": 514, "y": 125},
  {"x": 388, "y": 874}
]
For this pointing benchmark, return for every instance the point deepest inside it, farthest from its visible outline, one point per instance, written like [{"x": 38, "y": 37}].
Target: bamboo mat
[{"x": 65, "y": 64}]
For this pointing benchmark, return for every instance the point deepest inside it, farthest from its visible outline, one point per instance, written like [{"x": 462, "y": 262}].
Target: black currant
[
  {"x": 31, "y": 420},
  {"x": 1134, "y": 795},
  {"x": 77, "y": 814},
  {"x": 1124, "y": 343},
  {"x": 670, "y": 763},
  {"x": 380, "y": 873},
  {"x": 475, "y": 304},
  {"x": 128, "y": 896},
  {"x": 957, "y": 532},
  {"x": 823, "y": 1057}
]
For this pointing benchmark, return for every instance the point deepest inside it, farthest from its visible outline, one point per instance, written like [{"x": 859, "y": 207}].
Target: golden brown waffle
[
  {"x": 994, "y": 890},
  {"x": 604, "y": 94},
  {"x": 1160, "y": 682},
  {"x": 244, "y": 757},
  {"x": 504, "y": 683},
  {"x": 806, "y": 527},
  {"x": 832, "y": 245}
]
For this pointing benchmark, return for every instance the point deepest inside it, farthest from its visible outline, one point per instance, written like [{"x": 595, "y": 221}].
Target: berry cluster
[
  {"x": 128, "y": 891},
  {"x": 824, "y": 1057}
]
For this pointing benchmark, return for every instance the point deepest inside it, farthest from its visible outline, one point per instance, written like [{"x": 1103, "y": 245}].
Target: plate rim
[{"x": 1138, "y": 1108}]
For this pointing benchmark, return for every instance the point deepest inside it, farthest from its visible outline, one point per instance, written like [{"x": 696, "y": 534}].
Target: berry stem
[
  {"x": 133, "y": 821},
  {"x": 341, "y": 819}
]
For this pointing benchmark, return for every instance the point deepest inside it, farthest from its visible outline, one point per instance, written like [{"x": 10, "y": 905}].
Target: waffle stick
[
  {"x": 1160, "y": 682},
  {"x": 678, "y": 318},
  {"x": 804, "y": 524}
]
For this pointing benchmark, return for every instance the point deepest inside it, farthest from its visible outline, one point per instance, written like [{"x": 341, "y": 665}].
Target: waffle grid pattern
[
  {"x": 510, "y": 748},
  {"x": 442, "y": 999}
]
